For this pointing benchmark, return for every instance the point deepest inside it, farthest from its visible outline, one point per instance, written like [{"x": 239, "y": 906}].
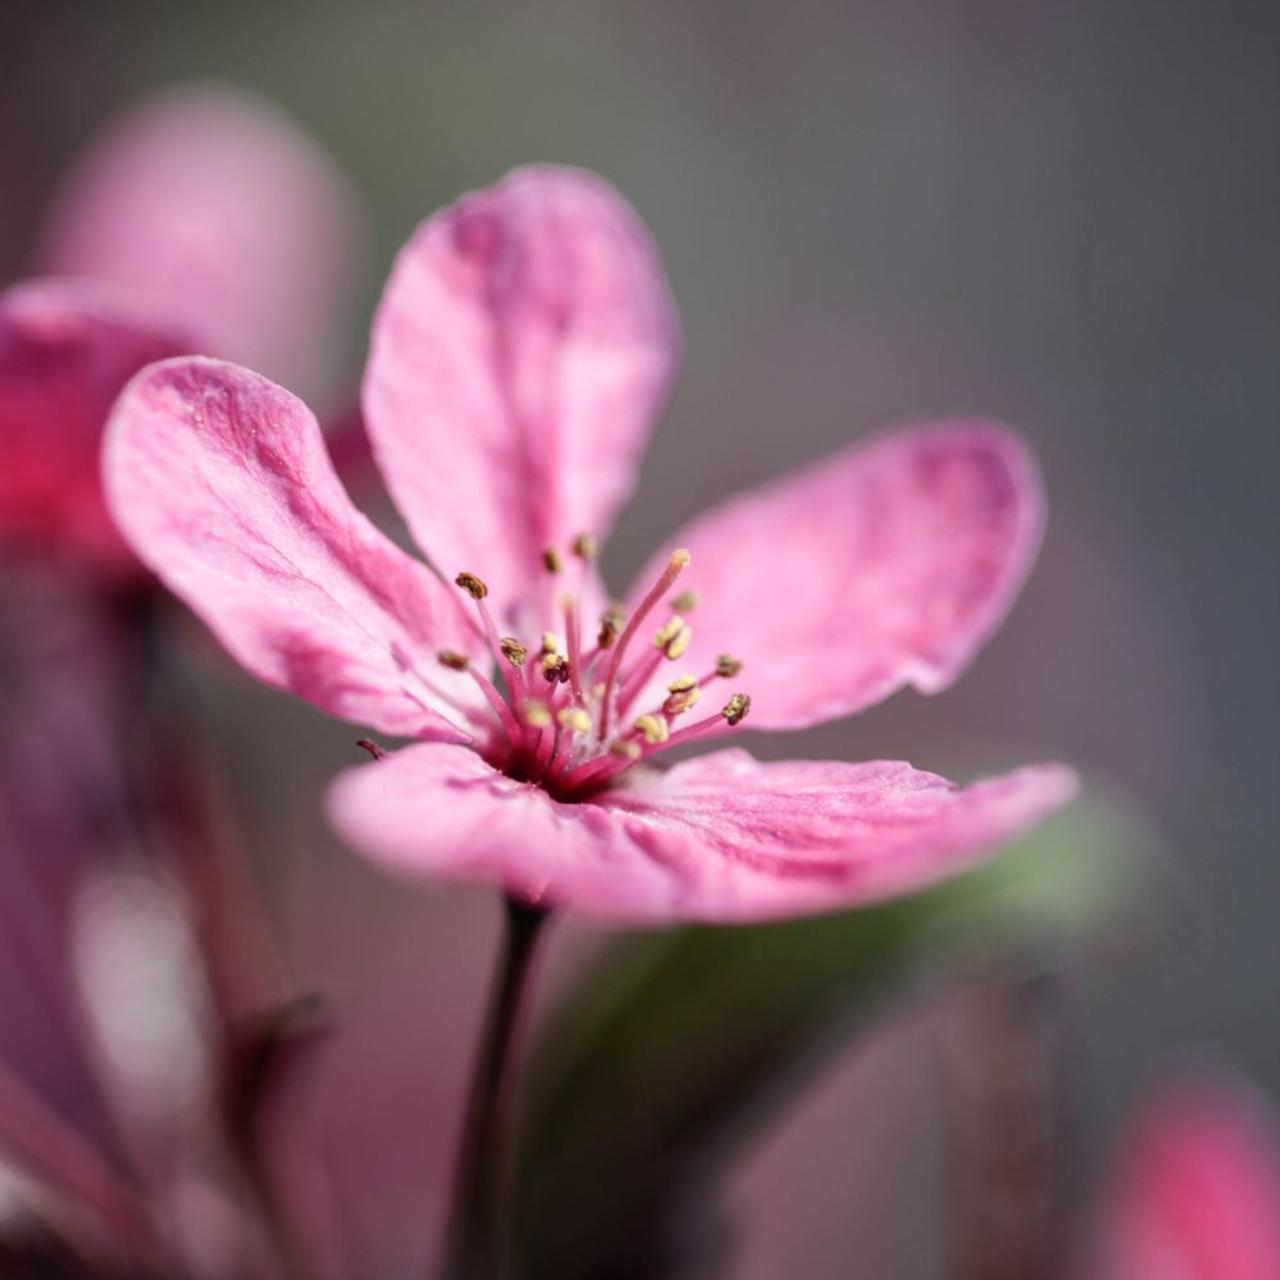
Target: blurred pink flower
[
  {"x": 525, "y": 341},
  {"x": 66, "y": 349},
  {"x": 204, "y": 221},
  {"x": 225, "y": 220},
  {"x": 1196, "y": 1192}
]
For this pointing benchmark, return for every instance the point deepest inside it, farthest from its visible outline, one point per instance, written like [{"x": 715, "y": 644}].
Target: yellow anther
[
  {"x": 454, "y": 661},
  {"x": 680, "y": 558},
  {"x": 678, "y": 647},
  {"x": 625, "y": 750},
  {"x": 473, "y": 586},
  {"x": 686, "y": 601},
  {"x": 550, "y": 642},
  {"x": 728, "y": 666},
  {"x": 653, "y": 728},
  {"x": 585, "y": 547},
  {"x": 682, "y": 684},
  {"x": 574, "y": 718},
  {"x": 536, "y": 713},
  {"x": 735, "y": 710},
  {"x": 552, "y": 561},
  {"x": 681, "y": 701},
  {"x": 668, "y": 631},
  {"x": 514, "y": 652}
]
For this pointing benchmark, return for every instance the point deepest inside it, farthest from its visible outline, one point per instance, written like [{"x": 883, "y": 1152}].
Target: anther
[
  {"x": 536, "y": 713},
  {"x": 686, "y": 601},
  {"x": 453, "y": 660},
  {"x": 585, "y": 547},
  {"x": 552, "y": 561},
  {"x": 372, "y": 748},
  {"x": 514, "y": 652},
  {"x": 668, "y": 632},
  {"x": 473, "y": 586},
  {"x": 625, "y": 750},
  {"x": 574, "y": 718},
  {"x": 681, "y": 700},
  {"x": 550, "y": 643},
  {"x": 674, "y": 638},
  {"x": 610, "y": 624},
  {"x": 735, "y": 710},
  {"x": 728, "y": 666},
  {"x": 653, "y": 728},
  {"x": 555, "y": 668},
  {"x": 682, "y": 684}
]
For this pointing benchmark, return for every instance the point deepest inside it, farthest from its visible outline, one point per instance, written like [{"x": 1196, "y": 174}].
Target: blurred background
[{"x": 1063, "y": 216}]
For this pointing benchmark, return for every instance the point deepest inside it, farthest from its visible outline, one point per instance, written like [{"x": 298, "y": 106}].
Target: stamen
[
  {"x": 510, "y": 725},
  {"x": 537, "y": 715},
  {"x": 678, "y": 645},
  {"x": 585, "y": 547},
  {"x": 473, "y": 586},
  {"x": 625, "y": 750},
  {"x": 550, "y": 642},
  {"x": 682, "y": 684},
  {"x": 668, "y": 632},
  {"x": 555, "y": 668},
  {"x": 686, "y": 601},
  {"x": 574, "y": 718},
  {"x": 552, "y": 561},
  {"x": 637, "y": 678},
  {"x": 453, "y": 660},
  {"x": 377, "y": 752},
  {"x": 728, "y": 717},
  {"x": 681, "y": 700},
  {"x": 514, "y": 652},
  {"x": 654, "y": 729},
  {"x": 728, "y": 666},
  {"x": 610, "y": 624},
  {"x": 676, "y": 565},
  {"x": 571, "y": 635},
  {"x": 547, "y": 744}
]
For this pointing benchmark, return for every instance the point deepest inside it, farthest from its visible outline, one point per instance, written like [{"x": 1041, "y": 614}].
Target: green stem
[{"x": 472, "y": 1249}]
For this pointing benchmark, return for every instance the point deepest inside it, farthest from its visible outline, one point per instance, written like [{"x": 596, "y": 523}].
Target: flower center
[{"x": 566, "y": 716}]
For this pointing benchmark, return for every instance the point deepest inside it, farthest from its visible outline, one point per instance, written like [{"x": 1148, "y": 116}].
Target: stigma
[{"x": 570, "y": 711}]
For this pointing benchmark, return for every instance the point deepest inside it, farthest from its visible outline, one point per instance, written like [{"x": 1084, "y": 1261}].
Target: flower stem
[{"x": 472, "y": 1247}]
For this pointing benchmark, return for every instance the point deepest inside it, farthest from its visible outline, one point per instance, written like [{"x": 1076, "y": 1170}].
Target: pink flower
[
  {"x": 523, "y": 346},
  {"x": 66, "y": 350},
  {"x": 1196, "y": 1192},
  {"x": 225, "y": 220},
  {"x": 202, "y": 221}
]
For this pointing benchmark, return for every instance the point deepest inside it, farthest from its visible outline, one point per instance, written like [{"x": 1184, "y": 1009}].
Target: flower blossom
[
  {"x": 1195, "y": 1194},
  {"x": 202, "y": 221},
  {"x": 522, "y": 349}
]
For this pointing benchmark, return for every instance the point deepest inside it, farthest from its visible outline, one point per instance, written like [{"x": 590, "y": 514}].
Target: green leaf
[{"x": 677, "y": 1045}]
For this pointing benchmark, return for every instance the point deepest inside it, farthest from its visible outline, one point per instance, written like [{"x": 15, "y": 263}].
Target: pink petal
[
  {"x": 1196, "y": 1195},
  {"x": 66, "y": 350},
  {"x": 523, "y": 346},
  {"x": 888, "y": 563},
  {"x": 218, "y": 212},
  {"x": 220, "y": 481},
  {"x": 720, "y": 838}
]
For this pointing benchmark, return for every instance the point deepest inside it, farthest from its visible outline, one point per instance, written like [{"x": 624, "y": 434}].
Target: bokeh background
[{"x": 1064, "y": 216}]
